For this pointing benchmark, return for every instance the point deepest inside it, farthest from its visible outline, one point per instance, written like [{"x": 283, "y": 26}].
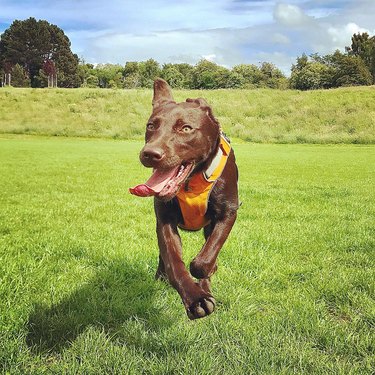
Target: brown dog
[{"x": 194, "y": 183}]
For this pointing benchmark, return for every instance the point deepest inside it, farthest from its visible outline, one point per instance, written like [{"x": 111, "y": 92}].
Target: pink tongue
[{"x": 155, "y": 183}]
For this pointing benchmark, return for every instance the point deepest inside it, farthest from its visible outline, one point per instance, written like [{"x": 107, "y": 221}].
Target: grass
[
  {"x": 295, "y": 282},
  {"x": 345, "y": 115}
]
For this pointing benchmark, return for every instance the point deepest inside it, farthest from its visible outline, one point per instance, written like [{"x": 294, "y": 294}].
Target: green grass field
[
  {"x": 295, "y": 284},
  {"x": 345, "y": 115}
]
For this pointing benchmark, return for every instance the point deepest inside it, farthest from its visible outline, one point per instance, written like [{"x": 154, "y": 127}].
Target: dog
[{"x": 194, "y": 184}]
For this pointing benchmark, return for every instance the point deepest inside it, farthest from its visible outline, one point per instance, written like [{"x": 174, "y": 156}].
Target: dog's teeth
[{"x": 180, "y": 171}]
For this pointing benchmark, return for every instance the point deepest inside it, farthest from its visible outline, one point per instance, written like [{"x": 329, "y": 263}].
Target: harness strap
[{"x": 194, "y": 202}]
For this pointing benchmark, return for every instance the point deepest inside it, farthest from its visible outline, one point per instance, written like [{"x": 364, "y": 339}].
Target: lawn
[{"x": 295, "y": 284}]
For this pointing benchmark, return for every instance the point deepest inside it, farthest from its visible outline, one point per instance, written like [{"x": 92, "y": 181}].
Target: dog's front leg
[
  {"x": 198, "y": 302},
  {"x": 204, "y": 264}
]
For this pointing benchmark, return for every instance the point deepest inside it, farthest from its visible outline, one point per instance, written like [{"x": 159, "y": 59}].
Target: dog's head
[{"x": 181, "y": 139}]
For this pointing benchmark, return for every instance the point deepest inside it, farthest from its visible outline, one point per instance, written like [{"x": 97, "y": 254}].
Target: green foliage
[
  {"x": 132, "y": 75},
  {"x": 78, "y": 254},
  {"x": 187, "y": 71},
  {"x": 363, "y": 46},
  {"x": 350, "y": 70},
  {"x": 204, "y": 75},
  {"x": 311, "y": 76},
  {"x": 329, "y": 71},
  {"x": 149, "y": 70},
  {"x": 251, "y": 75},
  {"x": 67, "y": 68},
  {"x": 109, "y": 75},
  {"x": 88, "y": 75},
  {"x": 20, "y": 77},
  {"x": 234, "y": 80},
  {"x": 30, "y": 43},
  {"x": 355, "y": 68},
  {"x": 140, "y": 74},
  {"x": 131, "y": 67},
  {"x": 171, "y": 74},
  {"x": 132, "y": 81},
  {"x": 272, "y": 77}
]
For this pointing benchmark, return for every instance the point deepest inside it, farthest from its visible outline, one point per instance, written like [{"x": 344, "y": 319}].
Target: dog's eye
[
  {"x": 186, "y": 128},
  {"x": 150, "y": 127}
]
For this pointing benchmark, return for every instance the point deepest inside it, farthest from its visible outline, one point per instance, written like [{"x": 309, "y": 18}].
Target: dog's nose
[{"x": 152, "y": 155}]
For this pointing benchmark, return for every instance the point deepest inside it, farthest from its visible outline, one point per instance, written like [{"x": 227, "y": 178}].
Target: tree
[
  {"x": 272, "y": 76},
  {"x": 30, "y": 43},
  {"x": 171, "y": 74},
  {"x": 363, "y": 46},
  {"x": 221, "y": 77},
  {"x": 132, "y": 75},
  {"x": 207, "y": 75},
  {"x": 85, "y": 71},
  {"x": 234, "y": 80},
  {"x": 149, "y": 70},
  {"x": 187, "y": 71},
  {"x": 109, "y": 75},
  {"x": 311, "y": 76},
  {"x": 350, "y": 70},
  {"x": 131, "y": 67},
  {"x": 19, "y": 77},
  {"x": 301, "y": 62},
  {"x": 251, "y": 74},
  {"x": 329, "y": 71}
]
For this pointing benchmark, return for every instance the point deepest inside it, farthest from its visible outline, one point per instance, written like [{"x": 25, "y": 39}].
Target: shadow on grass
[{"x": 120, "y": 293}]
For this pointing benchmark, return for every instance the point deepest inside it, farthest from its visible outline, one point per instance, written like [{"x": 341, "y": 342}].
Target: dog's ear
[
  {"x": 203, "y": 105},
  {"x": 200, "y": 101},
  {"x": 162, "y": 93}
]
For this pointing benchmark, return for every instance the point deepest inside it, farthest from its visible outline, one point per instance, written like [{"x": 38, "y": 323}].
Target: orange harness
[{"x": 193, "y": 203}]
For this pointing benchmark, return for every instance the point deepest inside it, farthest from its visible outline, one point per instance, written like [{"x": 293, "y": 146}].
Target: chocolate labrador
[{"x": 194, "y": 184}]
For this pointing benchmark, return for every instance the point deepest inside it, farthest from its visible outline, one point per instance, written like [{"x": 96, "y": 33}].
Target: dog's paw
[{"x": 201, "y": 308}]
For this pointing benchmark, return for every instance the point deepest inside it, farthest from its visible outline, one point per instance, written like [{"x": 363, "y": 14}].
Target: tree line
[
  {"x": 204, "y": 75},
  {"x": 355, "y": 67},
  {"x": 37, "y": 54}
]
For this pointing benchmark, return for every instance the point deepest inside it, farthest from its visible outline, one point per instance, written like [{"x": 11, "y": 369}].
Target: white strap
[{"x": 214, "y": 164}]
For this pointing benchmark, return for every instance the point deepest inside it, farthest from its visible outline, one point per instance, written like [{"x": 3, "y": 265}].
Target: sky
[{"x": 227, "y": 32}]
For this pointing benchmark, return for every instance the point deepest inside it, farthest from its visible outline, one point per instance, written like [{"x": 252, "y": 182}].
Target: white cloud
[
  {"x": 341, "y": 35},
  {"x": 290, "y": 15},
  {"x": 122, "y": 47}
]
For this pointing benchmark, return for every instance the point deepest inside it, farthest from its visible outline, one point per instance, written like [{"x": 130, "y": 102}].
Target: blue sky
[{"x": 228, "y": 32}]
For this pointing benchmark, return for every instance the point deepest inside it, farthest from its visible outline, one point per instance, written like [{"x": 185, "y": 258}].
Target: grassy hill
[{"x": 345, "y": 115}]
